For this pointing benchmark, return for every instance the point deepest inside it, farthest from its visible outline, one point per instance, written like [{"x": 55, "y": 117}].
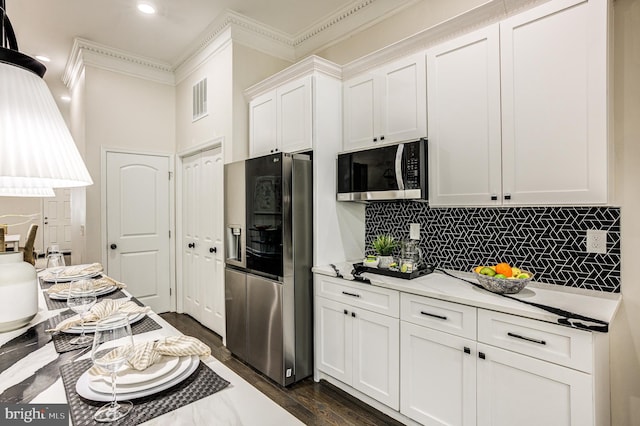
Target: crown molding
[
  {"x": 340, "y": 25},
  {"x": 86, "y": 52},
  {"x": 304, "y": 67},
  {"x": 232, "y": 26},
  {"x": 487, "y": 13}
]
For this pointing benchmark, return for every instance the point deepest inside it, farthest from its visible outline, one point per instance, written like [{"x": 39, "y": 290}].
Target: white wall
[
  {"x": 424, "y": 14},
  {"x": 229, "y": 71},
  {"x": 78, "y": 195},
  {"x": 249, "y": 67},
  {"x": 218, "y": 71},
  {"x": 126, "y": 113},
  {"x": 625, "y": 334}
]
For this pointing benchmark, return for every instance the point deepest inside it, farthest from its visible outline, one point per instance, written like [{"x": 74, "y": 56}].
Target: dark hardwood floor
[{"x": 313, "y": 403}]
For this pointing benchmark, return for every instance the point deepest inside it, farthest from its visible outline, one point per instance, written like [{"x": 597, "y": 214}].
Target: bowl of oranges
[{"x": 502, "y": 278}]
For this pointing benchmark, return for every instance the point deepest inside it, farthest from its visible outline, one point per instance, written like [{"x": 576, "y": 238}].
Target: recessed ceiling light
[
  {"x": 43, "y": 58},
  {"x": 146, "y": 8},
  {"x": 65, "y": 98}
]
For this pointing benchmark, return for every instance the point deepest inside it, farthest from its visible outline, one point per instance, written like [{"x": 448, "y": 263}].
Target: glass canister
[
  {"x": 410, "y": 255},
  {"x": 18, "y": 291}
]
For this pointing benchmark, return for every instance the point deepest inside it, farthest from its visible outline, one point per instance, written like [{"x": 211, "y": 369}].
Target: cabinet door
[
  {"x": 465, "y": 164},
  {"x": 334, "y": 339},
  {"x": 376, "y": 358},
  {"x": 554, "y": 100},
  {"x": 515, "y": 389},
  {"x": 294, "y": 115},
  {"x": 262, "y": 119},
  {"x": 361, "y": 112},
  {"x": 403, "y": 110},
  {"x": 438, "y": 376}
]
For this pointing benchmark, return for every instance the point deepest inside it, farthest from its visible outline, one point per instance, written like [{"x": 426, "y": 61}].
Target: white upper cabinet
[
  {"x": 554, "y": 103},
  {"x": 262, "y": 132},
  {"x": 281, "y": 120},
  {"x": 465, "y": 154},
  {"x": 386, "y": 105},
  {"x": 520, "y": 117}
]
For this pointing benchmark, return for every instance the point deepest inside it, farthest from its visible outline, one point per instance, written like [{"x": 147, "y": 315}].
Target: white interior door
[
  {"x": 138, "y": 226},
  {"x": 202, "y": 210},
  {"x": 56, "y": 215}
]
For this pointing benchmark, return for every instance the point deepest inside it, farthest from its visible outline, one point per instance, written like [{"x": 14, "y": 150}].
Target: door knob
[
  {"x": 113, "y": 246},
  {"x": 213, "y": 250},
  {"x": 191, "y": 245}
]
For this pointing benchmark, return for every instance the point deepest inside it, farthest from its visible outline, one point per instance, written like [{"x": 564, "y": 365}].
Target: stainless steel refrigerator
[{"x": 269, "y": 254}]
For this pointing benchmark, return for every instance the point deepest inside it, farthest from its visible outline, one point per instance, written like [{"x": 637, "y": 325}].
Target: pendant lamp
[{"x": 37, "y": 151}]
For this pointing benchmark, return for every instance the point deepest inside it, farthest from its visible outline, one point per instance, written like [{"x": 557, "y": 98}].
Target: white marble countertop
[
  {"x": 37, "y": 370},
  {"x": 589, "y": 303}
]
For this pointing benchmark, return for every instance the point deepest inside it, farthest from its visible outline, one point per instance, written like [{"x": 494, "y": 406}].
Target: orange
[{"x": 504, "y": 269}]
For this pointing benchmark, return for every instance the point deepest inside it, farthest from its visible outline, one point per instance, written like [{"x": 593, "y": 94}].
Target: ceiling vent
[{"x": 199, "y": 99}]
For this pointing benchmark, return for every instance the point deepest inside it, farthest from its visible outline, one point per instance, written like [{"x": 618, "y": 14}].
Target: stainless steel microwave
[{"x": 390, "y": 172}]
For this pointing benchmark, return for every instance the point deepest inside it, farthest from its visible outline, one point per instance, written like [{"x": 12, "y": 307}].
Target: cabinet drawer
[
  {"x": 555, "y": 343},
  {"x": 365, "y": 296},
  {"x": 449, "y": 317}
]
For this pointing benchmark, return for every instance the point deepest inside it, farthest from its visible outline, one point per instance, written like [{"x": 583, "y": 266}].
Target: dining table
[{"x": 39, "y": 368}]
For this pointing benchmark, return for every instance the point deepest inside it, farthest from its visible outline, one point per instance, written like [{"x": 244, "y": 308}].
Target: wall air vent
[{"x": 199, "y": 100}]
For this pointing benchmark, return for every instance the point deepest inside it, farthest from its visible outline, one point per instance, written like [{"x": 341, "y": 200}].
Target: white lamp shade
[
  {"x": 36, "y": 147},
  {"x": 27, "y": 192}
]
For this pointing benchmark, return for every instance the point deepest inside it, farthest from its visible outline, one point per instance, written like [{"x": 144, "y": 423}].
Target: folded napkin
[
  {"x": 74, "y": 271},
  {"x": 146, "y": 354},
  {"x": 101, "y": 310},
  {"x": 98, "y": 284}
]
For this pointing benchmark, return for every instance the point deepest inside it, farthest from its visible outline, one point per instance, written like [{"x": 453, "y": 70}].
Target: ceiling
[{"x": 48, "y": 27}]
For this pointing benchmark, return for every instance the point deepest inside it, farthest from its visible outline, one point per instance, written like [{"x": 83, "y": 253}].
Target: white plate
[
  {"x": 82, "y": 386},
  {"x": 90, "y": 327},
  {"x": 48, "y": 277},
  {"x": 130, "y": 376},
  {"x": 103, "y": 385},
  {"x": 100, "y": 292}
]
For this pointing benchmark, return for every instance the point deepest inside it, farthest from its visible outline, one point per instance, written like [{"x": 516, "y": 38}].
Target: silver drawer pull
[
  {"x": 433, "y": 315},
  {"x": 350, "y": 294},
  {"x": 528, "y": 339}
]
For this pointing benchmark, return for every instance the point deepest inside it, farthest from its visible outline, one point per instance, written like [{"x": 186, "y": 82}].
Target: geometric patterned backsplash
[{"x": 548, "y": 241}]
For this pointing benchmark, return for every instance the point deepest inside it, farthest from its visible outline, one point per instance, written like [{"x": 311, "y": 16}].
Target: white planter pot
[
  {"x": 18, "y": 291},
  {"x": 384, "y": 262}
]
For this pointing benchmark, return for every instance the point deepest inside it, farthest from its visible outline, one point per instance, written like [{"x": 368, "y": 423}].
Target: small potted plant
[{"x": 384, "y": 246}]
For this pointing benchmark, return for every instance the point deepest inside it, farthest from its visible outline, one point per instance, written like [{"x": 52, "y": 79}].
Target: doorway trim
[
  {"x": 172, "y": 207},
  {"x": 205, "y": 146}
]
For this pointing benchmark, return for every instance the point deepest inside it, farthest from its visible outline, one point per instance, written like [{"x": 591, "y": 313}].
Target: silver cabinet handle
[{"x": 528, "y": 339}]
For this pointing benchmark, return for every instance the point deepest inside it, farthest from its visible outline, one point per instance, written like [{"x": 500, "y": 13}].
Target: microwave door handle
[{"x": 399, "y": 178}]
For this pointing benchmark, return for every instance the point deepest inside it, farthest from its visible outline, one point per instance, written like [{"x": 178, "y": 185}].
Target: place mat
[
  {"x": 53, "y": 304},
  {"x": 61, "y": 340},
  {"x": 202, "y": 383}
]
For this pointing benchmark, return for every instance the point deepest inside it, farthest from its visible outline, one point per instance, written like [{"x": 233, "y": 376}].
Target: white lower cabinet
[
  {"x": 359, "y": 348},
  {"x": 437, "y": 376},
  {"x": 515, "y": 389},
  {"x": 444, "y": 363},
  {"x": 519, "y": 371}
]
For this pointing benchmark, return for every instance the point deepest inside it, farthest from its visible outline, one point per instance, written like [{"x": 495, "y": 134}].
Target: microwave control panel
[{"x": 412, "y": 152}]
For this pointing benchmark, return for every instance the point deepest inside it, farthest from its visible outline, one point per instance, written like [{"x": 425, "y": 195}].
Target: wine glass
[
  {"x": 112, "y": 346},
  {"x": 82, "y": 297},
  {"x": 55, "y": 264}
]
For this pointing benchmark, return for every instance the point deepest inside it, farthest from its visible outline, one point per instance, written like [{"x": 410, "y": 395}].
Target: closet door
[{"x": 203, "y": 267}]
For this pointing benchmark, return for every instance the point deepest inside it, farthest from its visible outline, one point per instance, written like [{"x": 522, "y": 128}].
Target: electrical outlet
[
  {"x": 596, "y": 241},
  {"x": 414, "y": 231}
]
